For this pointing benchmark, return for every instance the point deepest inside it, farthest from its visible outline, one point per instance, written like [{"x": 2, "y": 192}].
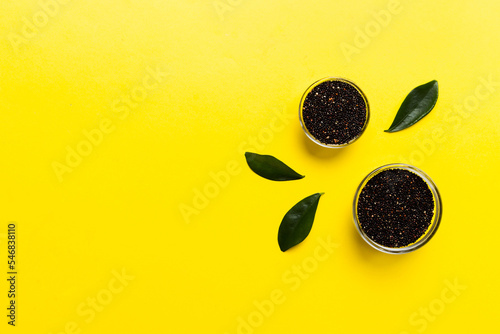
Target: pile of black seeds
[
  {"x": 334, "y": 112},
  {"x": 395, "y": 208}
]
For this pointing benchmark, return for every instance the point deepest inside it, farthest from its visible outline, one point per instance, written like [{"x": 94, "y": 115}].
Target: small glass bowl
[
  {"x": 438, "y": 209},
  {"x": 308, "y": 90}
]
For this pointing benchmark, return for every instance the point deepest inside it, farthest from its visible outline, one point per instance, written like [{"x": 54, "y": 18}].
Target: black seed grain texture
[
  {"x": 395, "y": 208},
  {"x": 334, "y": 112}
]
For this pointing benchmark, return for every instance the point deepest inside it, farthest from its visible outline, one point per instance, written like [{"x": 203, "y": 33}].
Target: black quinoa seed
[
  {"x": 334, "y": 112},
  {"x": 395, "y": 208}
]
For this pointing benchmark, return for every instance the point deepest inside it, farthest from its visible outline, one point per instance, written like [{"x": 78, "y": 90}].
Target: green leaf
[
  {"x": 298, "y": 221},
  {"x": 416, "y": 105},
  {"x": 271, "y": 168}
]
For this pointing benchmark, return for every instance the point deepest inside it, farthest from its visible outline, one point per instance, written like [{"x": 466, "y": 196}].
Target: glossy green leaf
[
  {"x": 271, "y": 168},
  {"x": 416, "y": 105},
  {"x": 298, "y": 221}
]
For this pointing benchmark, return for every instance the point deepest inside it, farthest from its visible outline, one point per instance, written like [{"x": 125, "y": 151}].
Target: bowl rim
[
  {"x": 431, "y": 231},
  {"x": 311, "y": 87}
]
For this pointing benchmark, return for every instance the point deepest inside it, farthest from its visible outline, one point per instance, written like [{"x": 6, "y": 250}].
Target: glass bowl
[
  {"x": 431, "y": 230},
  {"x": 308, "y": 90}
]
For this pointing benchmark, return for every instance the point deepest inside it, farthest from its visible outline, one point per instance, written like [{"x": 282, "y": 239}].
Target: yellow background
[{"x": 232, "y": 66}]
